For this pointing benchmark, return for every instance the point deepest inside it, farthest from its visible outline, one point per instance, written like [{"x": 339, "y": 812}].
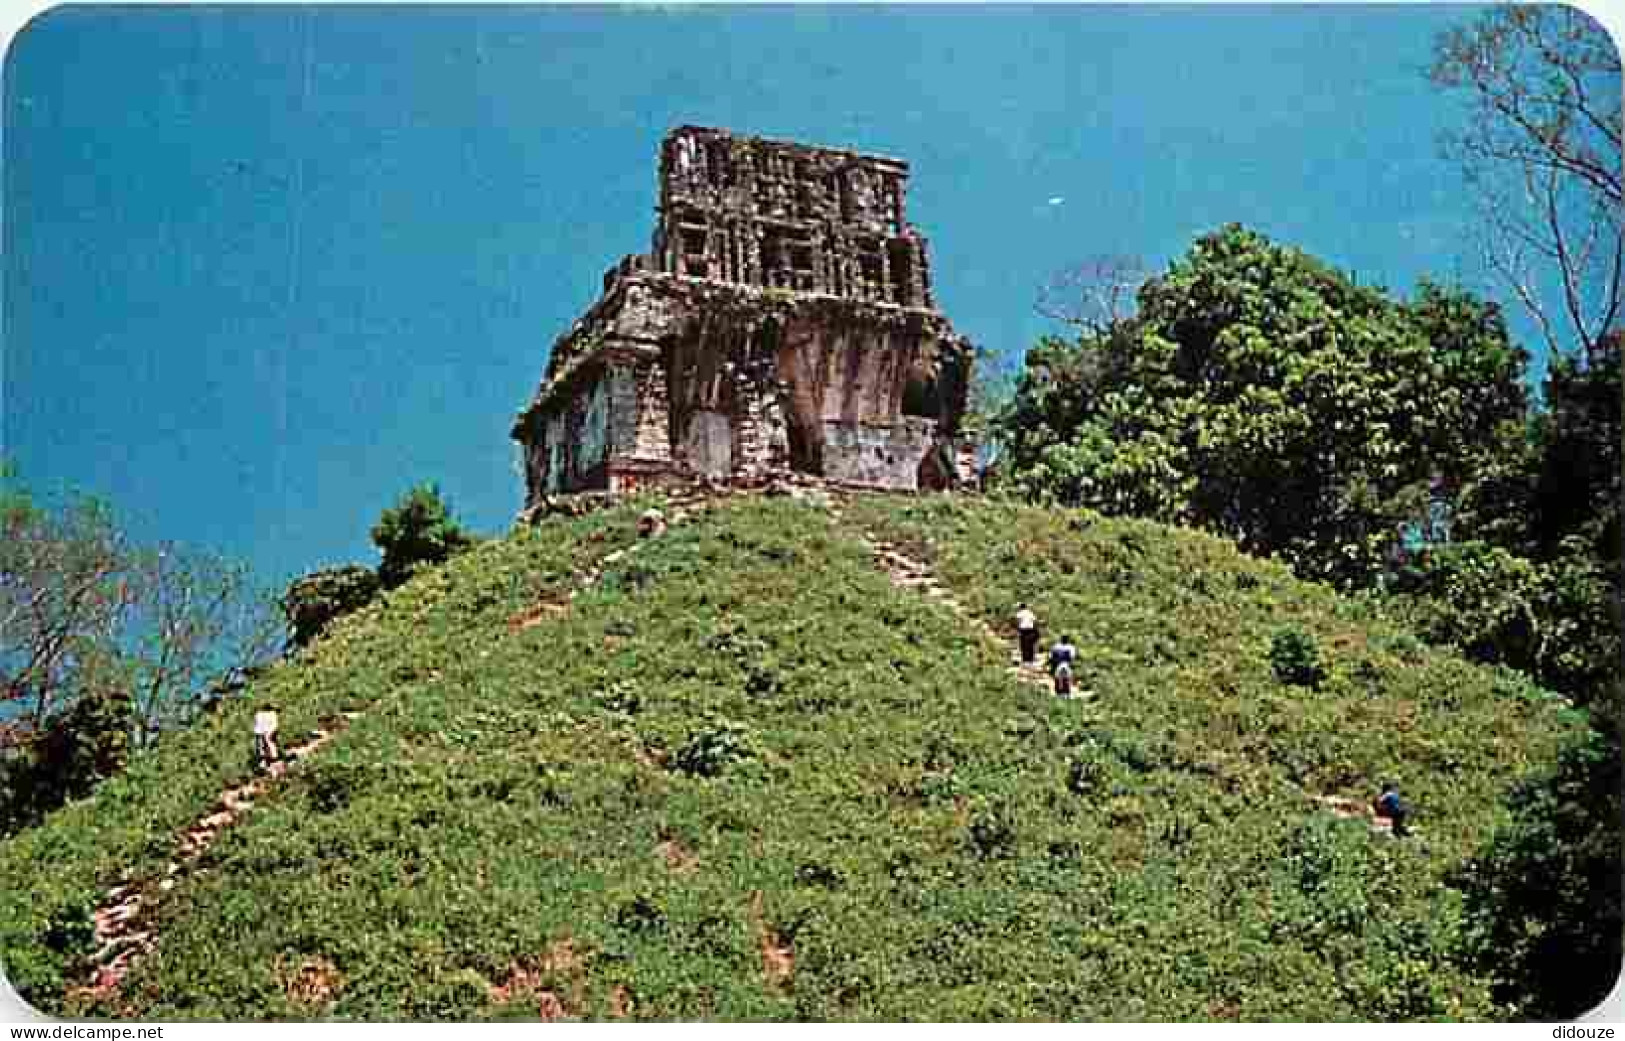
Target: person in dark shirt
[
  {"x": 1391, "y": 806},
  {"x": 1061, "y": 658}
]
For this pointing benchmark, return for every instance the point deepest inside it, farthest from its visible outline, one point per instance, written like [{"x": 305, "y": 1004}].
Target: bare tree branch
[
  {"x": 1544, "y": 83},
  {"x": 82, "y": 612},
  {"x": 1507, "y": 262},
  {"x": 1611, "y": 315},
  {"x": 1094, "y": 294}
]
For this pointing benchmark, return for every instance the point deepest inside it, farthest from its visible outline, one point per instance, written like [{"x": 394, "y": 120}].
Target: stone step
[
  {"x": 122, "y": 943},
  {"x": 119, "y": 914}
]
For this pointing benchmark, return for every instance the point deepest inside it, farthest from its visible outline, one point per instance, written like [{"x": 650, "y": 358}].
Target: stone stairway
[
  {"x": 908, "y": 573},
  {"x": 1354, "y": 809},
  {"x": 122, "y": 920}
]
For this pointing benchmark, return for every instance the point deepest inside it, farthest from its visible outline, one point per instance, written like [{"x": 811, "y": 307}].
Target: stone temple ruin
[{"x": 783, "y": 322}]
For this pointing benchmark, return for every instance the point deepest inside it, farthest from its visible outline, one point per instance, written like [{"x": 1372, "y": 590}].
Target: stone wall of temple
[
  {"x": 779, "y": 215},
  {"x": 783, "y": 321}
]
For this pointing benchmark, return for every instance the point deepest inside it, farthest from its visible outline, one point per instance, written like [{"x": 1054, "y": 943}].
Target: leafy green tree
[
  {"x": 1263, "y": 395},
  {"x": 1579, "y": 597},
  {"x": 417, "y": 531},
  {"x": 1548, "y": 619},
  {"x": 87, "y": 745},
  {"x": 1544, "y": 899},
  {"x": 1479, "y": 598},
  {"x": 1540, "y": 146},
  {"x": 1577, "y": 491}
]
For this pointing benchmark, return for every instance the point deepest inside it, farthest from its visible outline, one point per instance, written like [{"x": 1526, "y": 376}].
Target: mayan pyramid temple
[{"x": 782, "y": 323}]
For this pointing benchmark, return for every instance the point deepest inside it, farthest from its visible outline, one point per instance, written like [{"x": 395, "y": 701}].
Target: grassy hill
[{"x": 743, "y": 776}]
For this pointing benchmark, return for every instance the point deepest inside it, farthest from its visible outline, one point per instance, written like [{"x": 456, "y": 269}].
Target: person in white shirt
[
  {"x": 1027, "y": 633},
  {"x": 265, "y": 749}
]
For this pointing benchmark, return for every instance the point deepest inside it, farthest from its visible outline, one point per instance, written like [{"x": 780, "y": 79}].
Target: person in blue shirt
[
  {"x": 1061, "y": 657},
  {"x": 1390, "y": 805}
]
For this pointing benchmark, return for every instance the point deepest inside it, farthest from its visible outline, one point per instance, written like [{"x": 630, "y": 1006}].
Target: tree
[
  {"x": 1548, "y": 619},
  {"x": 90, "y": 743},
  {"x": 103, "y": 644},
  {"x": 196, "y": 621},
  {"x": 417, "y": 531},
  {"x": 1260, "y": 394},
  {"x": 1543, "y": 898},
  {"x": 1577, "y": 489},
  {"x": 1541, "y": 145},
  {"x": 65, "y": 591}
]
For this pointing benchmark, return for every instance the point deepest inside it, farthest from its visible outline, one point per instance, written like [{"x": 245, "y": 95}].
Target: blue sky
[{"x": 265, "y": 268}]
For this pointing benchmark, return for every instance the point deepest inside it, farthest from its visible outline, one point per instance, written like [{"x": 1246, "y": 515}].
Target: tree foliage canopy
[
  {"x": 1261, "y": 394},
  {"x": 1577, "y": 488},
  {"x": 65, "y": 589},
  {"x": 1543, "y": 900},
  {"x": 1541, "y": 145}
]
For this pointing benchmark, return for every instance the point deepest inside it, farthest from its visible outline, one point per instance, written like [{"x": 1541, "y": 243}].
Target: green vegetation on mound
[{"x": 744, "y": 777}]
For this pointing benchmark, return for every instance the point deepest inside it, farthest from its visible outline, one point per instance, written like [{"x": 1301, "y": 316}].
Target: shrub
[
  {"x": 311, "y": 603},
  {"x": 1551, "y": 620},
  {"x": 823, "y": 876},
  {"x": 1085, "y": 776},
  {"x": 1474, "y": 596},
  {"x": 416, "y": 532},
  {"x": 642, "y": 914},
  {"x": 70, "y": 930},
  {"x": 619, "y": 696},
  {"x": 710, "y": 750},
  {"x": 939, "y": 786},
  {"x": 1295, "y": 657},
  {"x": 332, "y": 785},
  {"x": 1543, "y": 897},
  {"x": 85, "y": 746},
  {"x": 992, "y": 834}
]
